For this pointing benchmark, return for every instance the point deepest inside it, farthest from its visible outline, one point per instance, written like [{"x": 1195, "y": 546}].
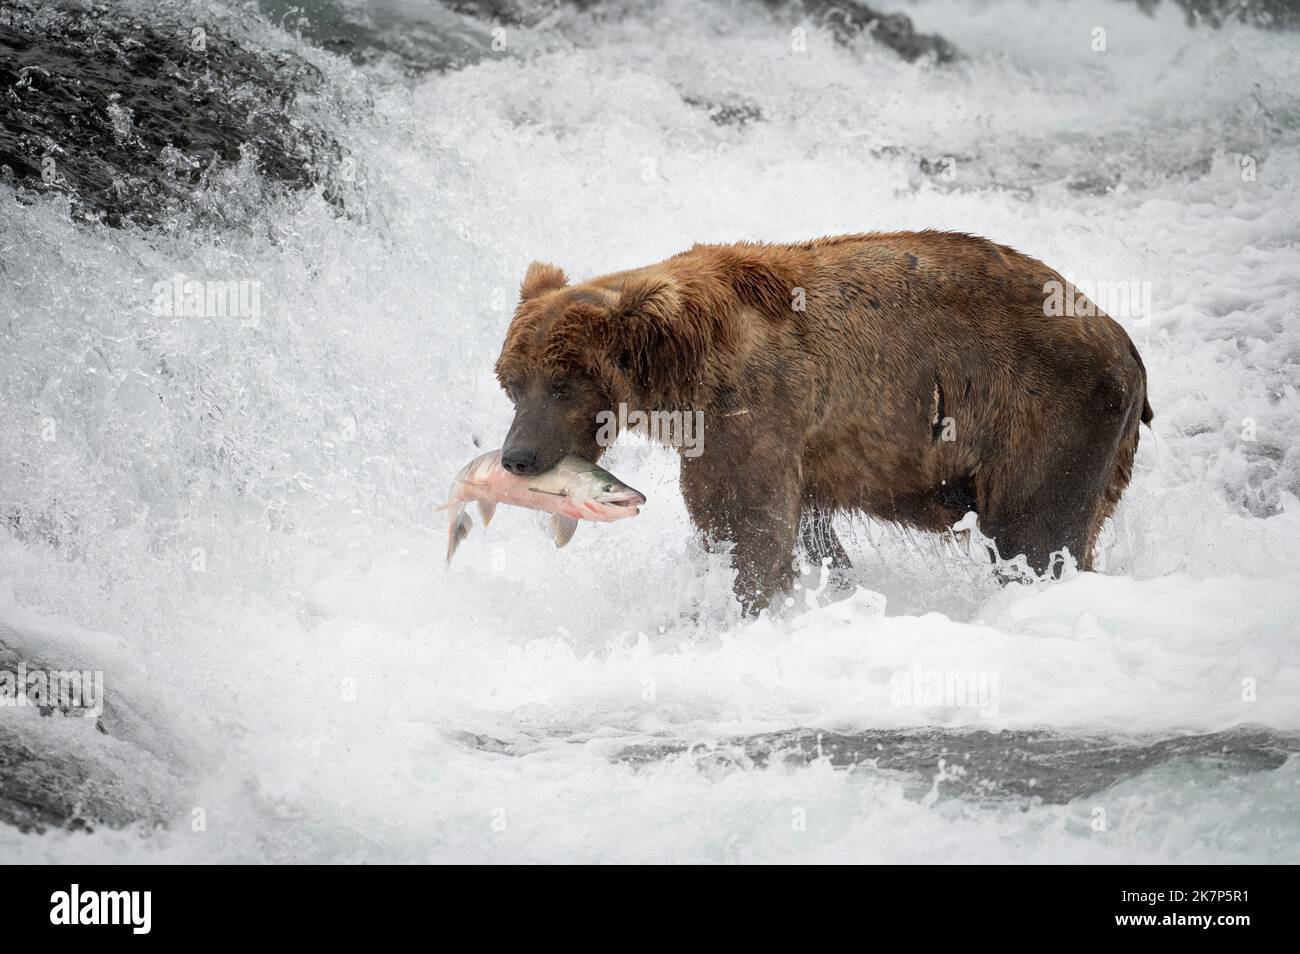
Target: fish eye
[{"x": 608, "y": 488}]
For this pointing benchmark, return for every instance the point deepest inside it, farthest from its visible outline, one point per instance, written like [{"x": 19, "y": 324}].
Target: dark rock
[
  {"x": 453, "y": 33},
  {"x": 849, "y": 19},
  {"x": 1269, "y": 14},
  {"x": 1094, "y": 184},
  {"x": 56, "y": 771},
  {"x": 41, "y": 788},
  {"x": 129, "y": 119},
  {"x": 1041, "y": 766},
  {"x": 727, "y": 113},
  {"x": 133, "y": 121},
  {"x": 433, "y": 37}
]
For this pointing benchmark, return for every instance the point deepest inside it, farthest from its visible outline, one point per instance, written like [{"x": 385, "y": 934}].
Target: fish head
[{"x": 599, "y": 495}]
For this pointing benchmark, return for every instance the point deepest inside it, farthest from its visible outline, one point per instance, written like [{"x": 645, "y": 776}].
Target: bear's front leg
[{"x": 736, "y": 493}]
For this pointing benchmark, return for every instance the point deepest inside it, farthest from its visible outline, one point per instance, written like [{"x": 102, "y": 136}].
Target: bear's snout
[{"x": 525, "y": 463}]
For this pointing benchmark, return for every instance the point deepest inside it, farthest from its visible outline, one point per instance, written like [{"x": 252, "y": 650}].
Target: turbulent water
[{"x": 231, "y": 516}]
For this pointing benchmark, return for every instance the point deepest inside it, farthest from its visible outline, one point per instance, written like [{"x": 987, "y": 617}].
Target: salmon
[{"x": 574, "y": 489}]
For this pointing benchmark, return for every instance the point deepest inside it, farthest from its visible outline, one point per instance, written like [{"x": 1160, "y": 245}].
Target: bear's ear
[
  {"x": 541, "y": 277},
  {"x": 659, "y": 346},
  {"x": 649, "y": 296}
]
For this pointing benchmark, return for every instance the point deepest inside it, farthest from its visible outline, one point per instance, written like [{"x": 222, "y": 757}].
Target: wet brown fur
[{"x": 842, "y": 406}]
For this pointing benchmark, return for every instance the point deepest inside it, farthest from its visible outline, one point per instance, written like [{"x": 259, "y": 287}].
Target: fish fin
[
  {"x": 460, "y": 497},
  {"x": 457, "y": 531},
  {"x": 561, "y": 528},
  {"x": 486, "y": 509}
]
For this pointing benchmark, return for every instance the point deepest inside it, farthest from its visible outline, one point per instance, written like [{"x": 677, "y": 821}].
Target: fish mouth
[{"x": 629, "y": 501}]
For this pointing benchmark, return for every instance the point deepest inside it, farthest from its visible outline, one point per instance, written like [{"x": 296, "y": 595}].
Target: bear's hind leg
[
  {"x": 1119, "y": 480},
  {"x": 1061, "y": 511},
  {"x": 818, "y": 538}
]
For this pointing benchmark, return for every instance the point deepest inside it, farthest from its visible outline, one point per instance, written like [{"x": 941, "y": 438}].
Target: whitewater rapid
[{"x": 234, "y": 521}]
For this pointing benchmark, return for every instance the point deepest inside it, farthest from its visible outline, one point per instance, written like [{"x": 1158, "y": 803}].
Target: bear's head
[{"x": 574, "y": 351}]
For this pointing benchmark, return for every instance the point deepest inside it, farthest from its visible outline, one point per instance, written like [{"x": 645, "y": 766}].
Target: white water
[{"x": 243, "y": 514}]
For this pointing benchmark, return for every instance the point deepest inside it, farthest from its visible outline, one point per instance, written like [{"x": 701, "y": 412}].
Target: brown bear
[{"x": 908, "y": 376}]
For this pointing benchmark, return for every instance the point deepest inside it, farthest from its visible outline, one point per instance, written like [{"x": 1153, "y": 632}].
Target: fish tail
[{"x": 457, "y": 531}]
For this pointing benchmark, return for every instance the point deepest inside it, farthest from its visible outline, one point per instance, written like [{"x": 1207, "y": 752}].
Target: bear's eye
[{"x": 560, "y": 390}]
